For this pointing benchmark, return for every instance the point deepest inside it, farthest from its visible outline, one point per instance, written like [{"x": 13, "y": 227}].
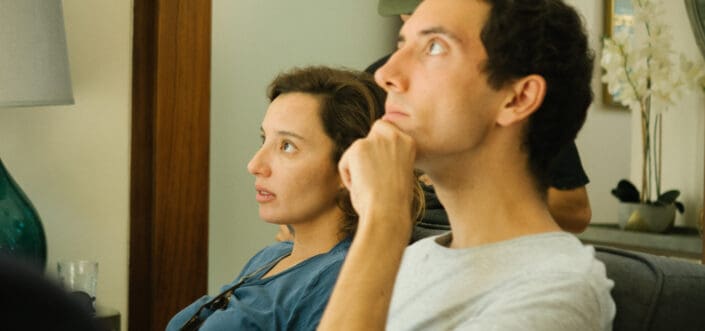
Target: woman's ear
[{"x": 524, "y": 98}]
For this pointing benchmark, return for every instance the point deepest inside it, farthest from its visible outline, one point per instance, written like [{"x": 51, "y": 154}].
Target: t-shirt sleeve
[{"x": 566, "y": 170}]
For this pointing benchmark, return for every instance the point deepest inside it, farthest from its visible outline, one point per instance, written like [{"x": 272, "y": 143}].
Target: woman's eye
[
  {"x": 261, "y": 137},
  {"x": 288, "y": 147},
  {"x": 435, "y": 48}
]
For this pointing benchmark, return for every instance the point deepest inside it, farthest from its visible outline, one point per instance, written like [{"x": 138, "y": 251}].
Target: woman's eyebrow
[{"x": 283, "y": 133}]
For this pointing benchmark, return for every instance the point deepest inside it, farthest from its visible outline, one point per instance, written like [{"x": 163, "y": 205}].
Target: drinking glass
[{"x": 80, "y": 279}]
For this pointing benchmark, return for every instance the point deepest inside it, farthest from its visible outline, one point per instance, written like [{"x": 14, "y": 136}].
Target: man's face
[{"x": 437, "y": 91}]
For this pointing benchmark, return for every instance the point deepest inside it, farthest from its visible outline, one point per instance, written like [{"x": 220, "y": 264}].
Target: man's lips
[
  {"x": 393, "y": 112},
  {"x": 263, "y": 195}
]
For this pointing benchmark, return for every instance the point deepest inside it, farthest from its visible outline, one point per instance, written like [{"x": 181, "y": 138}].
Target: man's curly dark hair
[{"x": 544, "y": 37}]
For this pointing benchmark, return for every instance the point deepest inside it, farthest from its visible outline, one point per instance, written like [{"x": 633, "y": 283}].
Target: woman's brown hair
[{"x": 350, "y": 103}]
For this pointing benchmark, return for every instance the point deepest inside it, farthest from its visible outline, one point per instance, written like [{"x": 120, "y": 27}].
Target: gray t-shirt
[{"x": 541, "y": 282}]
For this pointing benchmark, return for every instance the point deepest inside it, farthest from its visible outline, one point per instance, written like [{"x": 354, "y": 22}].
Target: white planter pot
[{"x": 636, "y": 216}]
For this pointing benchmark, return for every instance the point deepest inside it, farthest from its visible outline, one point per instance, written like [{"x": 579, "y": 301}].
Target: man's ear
[
  {"x": 524, "y": 98},
  {"x": 341, "y": 185}
]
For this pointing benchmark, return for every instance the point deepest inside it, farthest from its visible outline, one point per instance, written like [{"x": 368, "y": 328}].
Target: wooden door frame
[{"x": 169, "y": 159}]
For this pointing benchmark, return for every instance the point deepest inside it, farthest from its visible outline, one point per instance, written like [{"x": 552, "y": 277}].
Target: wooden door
[{"x": 169, "y": 159}]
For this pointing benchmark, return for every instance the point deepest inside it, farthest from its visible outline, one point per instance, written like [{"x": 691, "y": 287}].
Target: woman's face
[{"x": 296, "y": 180}]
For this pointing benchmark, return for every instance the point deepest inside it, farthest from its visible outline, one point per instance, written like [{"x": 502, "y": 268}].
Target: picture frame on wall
[
  {"x": 618, "y": 15},
  {"x": 696, "y": 15}
]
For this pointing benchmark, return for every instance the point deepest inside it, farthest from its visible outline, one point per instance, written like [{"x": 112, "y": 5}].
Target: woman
[{"x": 315, "y": 114}]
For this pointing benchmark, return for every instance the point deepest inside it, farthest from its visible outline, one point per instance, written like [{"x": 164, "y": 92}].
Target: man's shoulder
[{"x": 539, "y": 253}]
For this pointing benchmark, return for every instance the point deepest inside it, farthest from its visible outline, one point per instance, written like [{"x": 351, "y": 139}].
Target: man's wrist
[{"x": 391, "y": 225}]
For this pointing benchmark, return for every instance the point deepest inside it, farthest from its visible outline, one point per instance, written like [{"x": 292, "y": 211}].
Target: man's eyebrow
[
  {"x": 442, "y": 31},
  {"x": 431, "y": 31},
  {"x": 289, "y": 134}
]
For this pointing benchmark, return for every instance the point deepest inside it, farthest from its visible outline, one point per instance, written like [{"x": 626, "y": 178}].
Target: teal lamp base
[{"x": 21, "y": 231}]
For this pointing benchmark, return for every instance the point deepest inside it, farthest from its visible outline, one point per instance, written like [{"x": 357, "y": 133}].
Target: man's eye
[
  {"x": 435, "y": 48},
  {"x": 288, "y": 147}
]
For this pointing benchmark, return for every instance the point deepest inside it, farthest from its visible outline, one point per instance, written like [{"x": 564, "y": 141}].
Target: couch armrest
[{"x": 654, "y": 292}]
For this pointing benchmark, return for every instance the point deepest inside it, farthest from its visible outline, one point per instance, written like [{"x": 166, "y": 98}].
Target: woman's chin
[{"x": 268, "y": 218}]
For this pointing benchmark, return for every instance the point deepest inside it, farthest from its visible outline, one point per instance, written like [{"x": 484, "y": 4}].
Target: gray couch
[{"x": 655, "y": 293}]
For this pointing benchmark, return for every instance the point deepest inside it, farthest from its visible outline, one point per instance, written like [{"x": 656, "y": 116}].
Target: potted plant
[{"x": 641, "y": 76}]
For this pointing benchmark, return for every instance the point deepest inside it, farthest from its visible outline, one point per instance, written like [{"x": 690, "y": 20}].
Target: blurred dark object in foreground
[{"x": 30, "y": 301}]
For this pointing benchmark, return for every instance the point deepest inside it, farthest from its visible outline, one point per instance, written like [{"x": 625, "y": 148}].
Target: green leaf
[
  {"x": 680, "y": 207},
  {"x": 669, "y": 197},
  {"x": 626, "y": 191}
]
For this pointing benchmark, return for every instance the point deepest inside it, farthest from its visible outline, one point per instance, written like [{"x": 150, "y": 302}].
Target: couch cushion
[{"x": 654, "y": 292}]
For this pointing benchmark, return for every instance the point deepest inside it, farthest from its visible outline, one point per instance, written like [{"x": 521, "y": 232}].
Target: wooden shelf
[
  {"x": 108, "y": 318},
  {"x": 678, "y": 242}
]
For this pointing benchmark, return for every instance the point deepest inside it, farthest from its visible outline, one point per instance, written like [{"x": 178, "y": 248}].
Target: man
[
  {"x": 481, "y": 96},
  {"x": 567, "y": 197}
]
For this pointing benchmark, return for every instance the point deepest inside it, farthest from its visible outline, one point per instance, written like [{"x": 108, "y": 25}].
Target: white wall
[
  {"x": 73, "y": 161},
  {"x": 605, "y": 140},
  {"x": 253, "y": 40},
  {"x": 683, "y": 130},
  {"x": 610, "y": 141}
]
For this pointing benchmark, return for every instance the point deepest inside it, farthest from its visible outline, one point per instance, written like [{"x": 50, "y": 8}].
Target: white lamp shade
[{"x": 34, "y": 66}]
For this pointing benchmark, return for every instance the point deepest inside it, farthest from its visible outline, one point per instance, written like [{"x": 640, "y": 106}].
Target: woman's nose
[{"x": 258, "y": 164}]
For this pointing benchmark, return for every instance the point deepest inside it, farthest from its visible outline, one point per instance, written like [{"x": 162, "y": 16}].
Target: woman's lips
[{"x": 263, "y": 195}]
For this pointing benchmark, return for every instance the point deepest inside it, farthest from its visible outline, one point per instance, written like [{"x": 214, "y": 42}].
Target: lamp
[{"x": 34, "y": 71}]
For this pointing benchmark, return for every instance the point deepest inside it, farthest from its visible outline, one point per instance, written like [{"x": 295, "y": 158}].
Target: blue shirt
[{"x": 293, "y": 299}]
